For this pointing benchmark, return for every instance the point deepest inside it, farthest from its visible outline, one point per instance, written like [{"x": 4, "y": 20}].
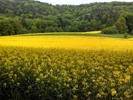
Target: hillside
[{"x": 30, "y": 16}]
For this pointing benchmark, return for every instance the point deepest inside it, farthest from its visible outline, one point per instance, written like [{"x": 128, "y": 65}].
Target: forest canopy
[{"x": 30, "y": 16}]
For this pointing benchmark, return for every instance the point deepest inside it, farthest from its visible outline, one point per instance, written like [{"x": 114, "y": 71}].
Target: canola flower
[
  {"x": 45, "y": 74},
  {"x": 68, "y": 42},
  {"x": 113, "y": 92}
]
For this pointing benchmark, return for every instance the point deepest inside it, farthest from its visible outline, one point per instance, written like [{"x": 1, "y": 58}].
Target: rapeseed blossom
[
  {"x": 65, "y": 74},
  {"x": 68, "y": 42},
  {"x": 113, "y": 92}
]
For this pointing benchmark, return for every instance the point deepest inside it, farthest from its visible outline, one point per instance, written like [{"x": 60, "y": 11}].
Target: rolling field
[
  {"x": 79, "y": 67},
  {"x": 68, "y": 42}
]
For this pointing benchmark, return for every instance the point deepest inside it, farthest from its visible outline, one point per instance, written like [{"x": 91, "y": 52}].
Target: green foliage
[
  {"x": 110, "y": 30},
  {"x": 125, "y": 35},
  {"x": 35, "y": 16},
  {"x": 34, "y": 29},
  {"x": 121, "y": 25},
  {"x": 9, "y": 26},
  {"x": 23, "y": 31},
  {"x": 129, "y": 21},
  {"x": 132, "y": 32},
  {"x": 110, "y": 22}
]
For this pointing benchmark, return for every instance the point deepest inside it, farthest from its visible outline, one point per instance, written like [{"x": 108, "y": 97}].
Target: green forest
[{"x": 30, "y": 16}]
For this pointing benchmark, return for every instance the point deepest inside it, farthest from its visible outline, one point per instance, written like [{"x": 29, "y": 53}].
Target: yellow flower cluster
[
  {"x": 47, "y": 74},
  {"x": 68, "y": 42}
]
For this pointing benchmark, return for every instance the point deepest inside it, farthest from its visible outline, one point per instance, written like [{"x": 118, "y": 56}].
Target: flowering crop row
[
  {"x": 59, "y": 74},
  {"x": 68, "y": 42}
]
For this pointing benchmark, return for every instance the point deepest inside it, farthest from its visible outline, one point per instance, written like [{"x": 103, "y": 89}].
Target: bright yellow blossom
[{"x": 113, "y": 92}]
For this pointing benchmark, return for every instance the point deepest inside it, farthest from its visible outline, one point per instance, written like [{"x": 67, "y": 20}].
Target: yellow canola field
[
  {"x": 68, "y": 42},
  {"x": 92, "y": 32},
  {"x": 59, "y": 74}
]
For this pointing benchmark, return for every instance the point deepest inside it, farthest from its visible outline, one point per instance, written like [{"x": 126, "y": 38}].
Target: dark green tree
[
  {"x": 6, "y": 27},
  {"x": 121, "y": 25},
  {"x": 110, "y": 22},
  {"x": 110, "y": 30},
  {"x": 129, "y": 22}
]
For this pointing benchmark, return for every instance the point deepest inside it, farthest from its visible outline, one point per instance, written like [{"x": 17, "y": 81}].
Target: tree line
[
  {"x": 123, "y": 25},
  {"x": 30, "y": 16}
]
